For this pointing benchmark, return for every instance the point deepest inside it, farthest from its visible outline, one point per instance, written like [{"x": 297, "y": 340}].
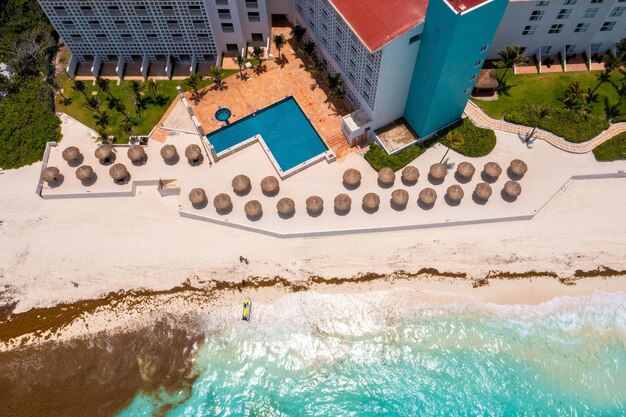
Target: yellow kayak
[{"x": 246, "y": 309}]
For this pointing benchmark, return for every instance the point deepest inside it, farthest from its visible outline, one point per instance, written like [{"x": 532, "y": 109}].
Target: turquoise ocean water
[{"x": 339, "y": 355}]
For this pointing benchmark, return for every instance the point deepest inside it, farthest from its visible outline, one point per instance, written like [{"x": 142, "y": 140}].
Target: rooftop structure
[{"x": 377, "y": 22}]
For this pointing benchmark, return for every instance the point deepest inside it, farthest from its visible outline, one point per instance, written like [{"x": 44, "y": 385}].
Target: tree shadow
[{"x": 527, "y": 139}]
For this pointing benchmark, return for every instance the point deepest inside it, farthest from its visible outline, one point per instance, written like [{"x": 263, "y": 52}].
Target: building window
[
  {"x": 478, "y": 63},
  {"x": 529, "y": 30},
  {"x": 597, "y": 1},
  {"x": 198, "y": 24},
  {"x": 60, "y": 11},
  {"x": 595, "y": 47},
  {"x": 167, "y": 10},
  {"x": 545, "y": 50},
  {"x": 178, "y": 37},
  {"x": 146, "y": 24},
  {"x": 555, "y": 28},
  {"x": 542, "y": 3},
  {"x": 114, "y": 11},
  {"x": 257, "y": 37},
  {"x": 68, "y": 24},
  {"x": 120, "y": 24},
  {"x": 202, "y": 36},
  {"x": 536, "y": 15},
  {"x": 172, "y": 24},
  {"x": 570, "y": 49},
  {"x": 484, "y": 48},
  {"x": 102, "y": 38},
  {"x": 94, "y": 24},
  {"x": 607, "y": 26},
  {"x": 590, "y": 13},
  {"x": 581, "y": 27},
  {"x": 569, "y": 2},
  {"x": 467, "y": 90},
  {"x": 221, "y": 2},
  {"x": 522, "y": 49},
  {"x": 87, "y": 10},
  {"x": 224, "y": 13},
  {"x": 228, "y": 28},
  {"x": 141, "y": 11},
  {"x": 76, "y": 38},
  {"x": 254, "y": 17},
  {"x": 617, "y": 11},
  {"x": 473, "y": 77},
  {"x": 564, "y": 13},
  {"x": 414, "y": 39},
  {"x": 194, "y": 10},
  {"x": 152, "y": 38},
  {"x": 252, "y": 4},
  {"x": 127, "y": 38}
]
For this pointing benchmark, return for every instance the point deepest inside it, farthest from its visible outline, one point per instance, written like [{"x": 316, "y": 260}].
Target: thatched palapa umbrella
[
  {"x": 518, "y": 167},
  {"x": 118, "y": 172},
  {"x": 410, "y": 174},
  {"x": 197, "y": 196},
  {"x": 193, "y": 152},
  {"x": 438, "y": 171},
  {"x": 455, "y": 193},
  {"x": 314, "y": 205},
  {"x": 168, "y": 152},
  {"x": 136, "y": 153},
  {"x": 50, "y": 174},
  {"x": 71, "y": 153},
  {"x": 84, "y": 172},
  {"x": 343, "y": 203},
  {"x": 371, "y": 201},
  {"x": 286, "y": 207},
  {"x": 428, "y": 196},
  {"x": 270, "y": 186},
  {"x": 103, "y": 152},
  {"x": 253, "y": 209},
  {"x": 386, "y": 177},
  {"x": 400, "y": 198},
  {"x": 222, "y": 203},
  {"x": 493, "y": 170},
  {"x": 241, "y": 185},
  {"x": 465, "y": 170},
  {"x": 483, "y": 191},
  {"x": 351, "y": 178},
  {"x": 512, "y": 189}
]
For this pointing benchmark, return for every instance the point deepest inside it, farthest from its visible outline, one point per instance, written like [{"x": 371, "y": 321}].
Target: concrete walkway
[{"x": 480, "y": 118}]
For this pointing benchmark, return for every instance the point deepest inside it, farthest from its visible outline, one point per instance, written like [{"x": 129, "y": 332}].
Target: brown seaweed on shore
[
  {"x": 95, "y": 376},
  {"x": 601, "y": 271}
]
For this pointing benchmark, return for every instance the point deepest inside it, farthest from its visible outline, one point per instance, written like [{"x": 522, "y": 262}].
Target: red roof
[
  {"x": 378, "y": 22},
  {"x": 464, "y": 5}
]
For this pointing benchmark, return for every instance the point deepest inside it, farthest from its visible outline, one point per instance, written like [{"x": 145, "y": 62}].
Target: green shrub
[
  {"x": 475, "y": 141},
  {"x": 378, "y": 158},
  {"x": 26, "y": 124},
  {"x": 573, "y": 126},
  {"x": 612, "y": 149},
  {"x": 619, "y": 119}
]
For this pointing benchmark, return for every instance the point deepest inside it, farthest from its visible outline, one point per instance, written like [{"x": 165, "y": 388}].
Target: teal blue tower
[{"x": 455, "y": 42}]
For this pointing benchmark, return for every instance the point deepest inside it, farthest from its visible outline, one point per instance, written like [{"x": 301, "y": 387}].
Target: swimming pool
[{"x": 287, "y": 135}]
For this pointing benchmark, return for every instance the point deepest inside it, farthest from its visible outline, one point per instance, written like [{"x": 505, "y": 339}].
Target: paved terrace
[
  {"x": 550, "y": 170},
  {"x": 244, "y": 97}
]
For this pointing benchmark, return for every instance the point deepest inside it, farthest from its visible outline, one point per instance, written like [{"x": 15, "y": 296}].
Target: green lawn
[
  {"x": 547, "y": 89},
  {"x": 150, "y": 116},
  {"x": 612, "y": 149}
]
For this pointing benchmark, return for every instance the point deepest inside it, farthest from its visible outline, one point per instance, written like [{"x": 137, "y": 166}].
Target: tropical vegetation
[{"x": 612, "y": 149}]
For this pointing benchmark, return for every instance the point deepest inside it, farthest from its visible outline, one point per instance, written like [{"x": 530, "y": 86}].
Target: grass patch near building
[
  {"x": 469, "y": 140},
  {"x": 473, "y": 141},
  {"x": 549, "y": 90},
  {"x": 612, "y": 149},
  {"x": 572, "y": 125}
]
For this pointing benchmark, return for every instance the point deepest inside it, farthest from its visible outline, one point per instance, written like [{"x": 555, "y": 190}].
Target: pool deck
[
  {"x": 244, "y": 97},
  {"x": 550, "y": 172}
]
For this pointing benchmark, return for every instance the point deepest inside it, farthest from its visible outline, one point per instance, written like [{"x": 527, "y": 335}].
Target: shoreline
[{"x": 125, "y": 311}]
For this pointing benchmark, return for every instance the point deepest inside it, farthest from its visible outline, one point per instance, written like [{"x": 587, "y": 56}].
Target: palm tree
[
  {"x": 193, "y": 82},
  {"x": 121, "y": 109},
  {"x": 104, "y": 133},
  {"x": 571, "y": 102},
  {"x": 154, "y": 88},
  {"x": 257, "y": 53},
  {"x": 113, "y": 102},
  {"x": 54, "y": 87},
  {"x": 611, "y": 63},
  {"x": 217, "y": 76},
  {"x": 104, "y": 85},
  {"x": 127, "y": 126},
  {"x": 80, "y": 87},
  {"x": 538, "y": 113},
  {"x": 137, "y": 89},
  {"x": 577, "y": 90},
  {"x": 241, "y": 63},
  {"x": 102, "y": 119},
  {"x": 279, "y": 43},
  {"x": 309, "y": 49},
  {"x": 93, "y": 104},
  {"x": 621, "y": 47},
  {"x": 621, "y": 92},
  {"x": 510, "y": 56},
  {"x": 298, "y": 33},
  {"x": 454, "y": 140}
]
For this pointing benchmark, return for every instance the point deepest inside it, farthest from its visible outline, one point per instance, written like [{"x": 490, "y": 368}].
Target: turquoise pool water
[
  {"x": 318, "y": 355},
  {"x": 285, "y": 129}
]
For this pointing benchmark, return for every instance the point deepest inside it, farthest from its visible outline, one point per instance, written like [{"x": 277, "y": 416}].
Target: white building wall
[
  {"x": 518, "y": 15},
  {"x": 281, "y": 7},
  {"x": 394, "y": 79}
]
